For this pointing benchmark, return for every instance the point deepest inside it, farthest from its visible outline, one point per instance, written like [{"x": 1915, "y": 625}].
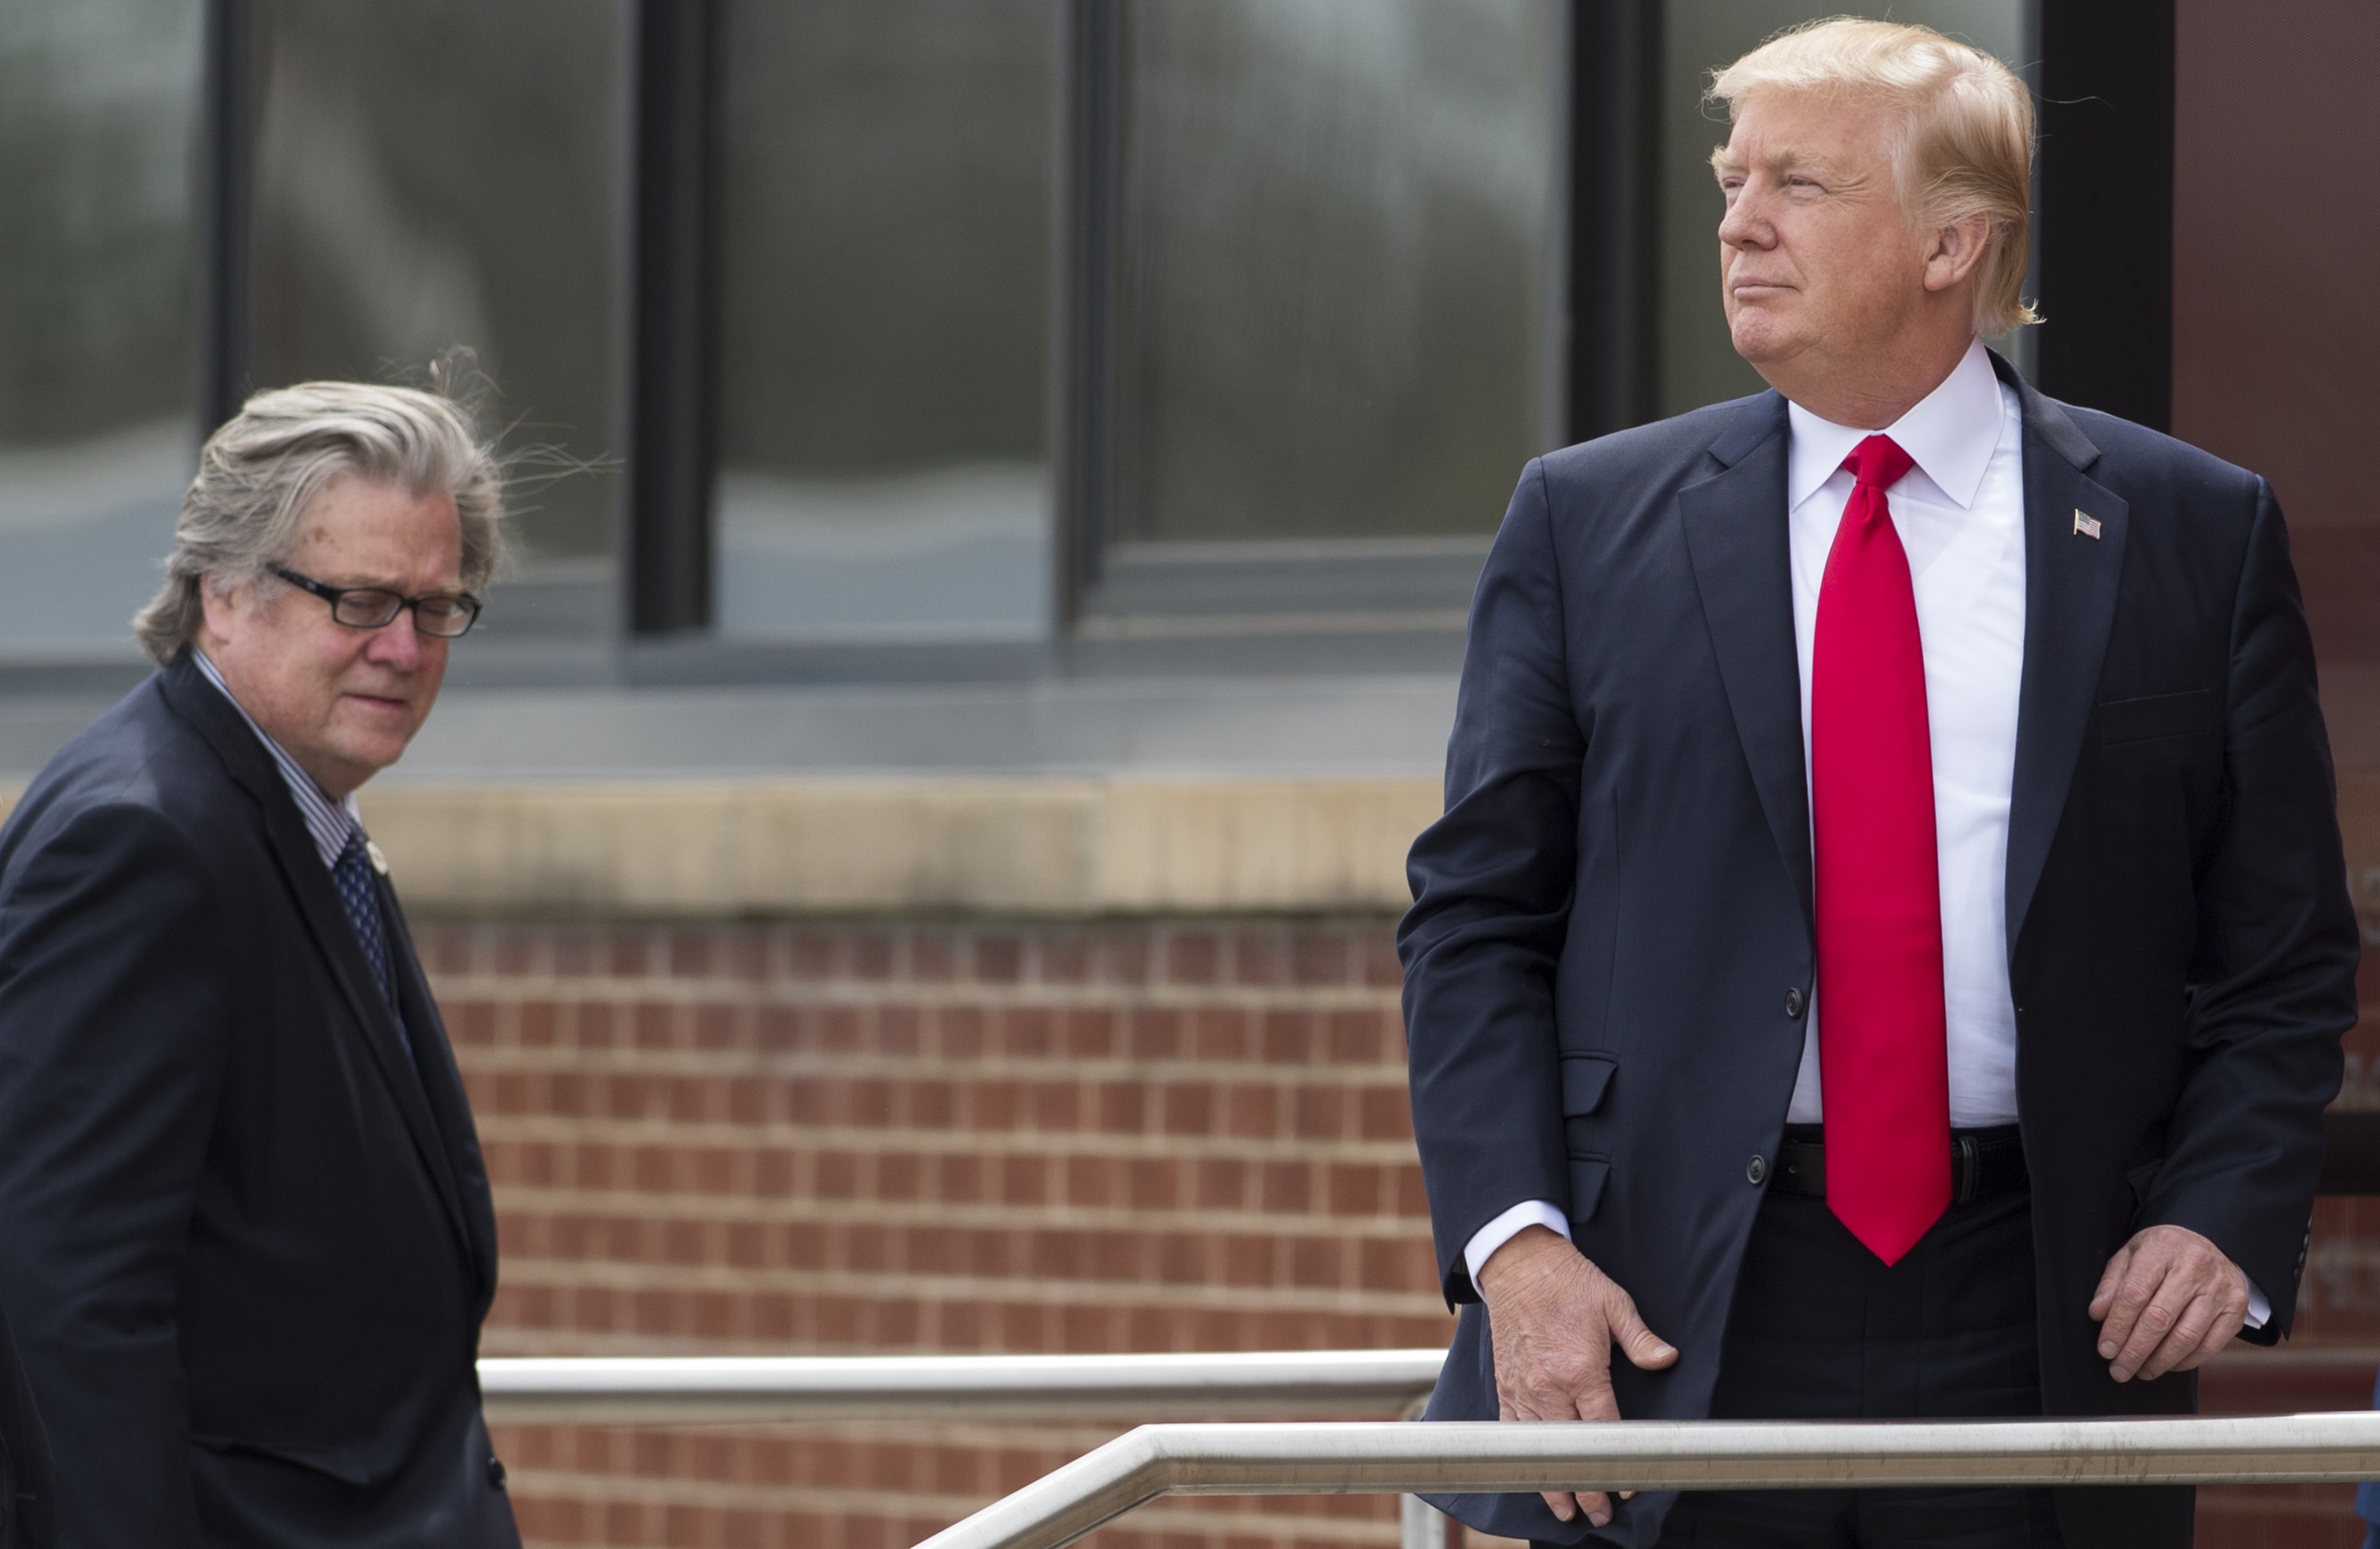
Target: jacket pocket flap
[
  {"x": 1585, "y": 1079},
  {"x": 343, "y": 1464},
  {"x": 2155, "y": 715},
  {"x": 1588, "y": 1176}
]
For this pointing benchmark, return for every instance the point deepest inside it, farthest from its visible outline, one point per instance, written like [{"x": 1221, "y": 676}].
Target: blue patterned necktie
[{"x": 353, "y": 875}]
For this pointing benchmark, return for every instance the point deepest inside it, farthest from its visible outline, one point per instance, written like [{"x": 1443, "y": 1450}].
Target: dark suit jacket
[
  {"x": 28, "y": 1486},
  {"x": 1609, "y": 916},
  {"x": 249, "y": 1237}
]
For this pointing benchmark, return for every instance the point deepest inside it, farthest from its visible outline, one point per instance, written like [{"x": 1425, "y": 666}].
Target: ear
[
  {"x": 1956, "y": 252},
  {"x": 222, "y": 605}
]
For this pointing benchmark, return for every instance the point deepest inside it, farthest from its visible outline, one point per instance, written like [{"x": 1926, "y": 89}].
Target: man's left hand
[{"x": 2168, "y": 1300}]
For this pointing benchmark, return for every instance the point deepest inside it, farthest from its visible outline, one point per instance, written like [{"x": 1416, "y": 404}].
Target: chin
[
  {"x": 370, "y": 761},
  {"x": 1752, "y": 344},
  {"x": 374, "y": 749},
  {"x": 1761, "y": 341}
]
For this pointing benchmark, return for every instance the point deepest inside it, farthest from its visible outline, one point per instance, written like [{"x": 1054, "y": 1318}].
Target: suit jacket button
[
  {"x": 1794, "y": 1003},
  {"x": 1755, "y": 1172},
  {"x": 496, "y": 1472}
]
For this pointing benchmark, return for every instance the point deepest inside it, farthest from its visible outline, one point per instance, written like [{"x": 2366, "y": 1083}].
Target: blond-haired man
[{"x": 1886, "y": 946}]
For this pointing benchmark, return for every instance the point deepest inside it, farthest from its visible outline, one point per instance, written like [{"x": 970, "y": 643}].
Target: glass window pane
[
  {"x": 887, "y": 169},
  {"x": 98, "y": 116},
  {"x": 1697, "y": 363},
  {"x": 447, "y": 172},
  {"x": 1337, "y": 243}
]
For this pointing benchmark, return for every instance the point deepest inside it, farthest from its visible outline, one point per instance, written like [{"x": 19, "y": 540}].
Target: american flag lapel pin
[{"x": 2087, "y": 526}]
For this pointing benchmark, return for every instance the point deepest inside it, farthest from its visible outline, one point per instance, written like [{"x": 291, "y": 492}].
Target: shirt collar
[
  {"x": 1950, "y": 435},
  {"x": 329, "y": 823}
]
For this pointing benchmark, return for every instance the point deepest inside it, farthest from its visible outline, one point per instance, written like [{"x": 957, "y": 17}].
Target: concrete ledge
[
  {"x": 1125, "y": 845},
  {"x": 1048, "y": 847}
]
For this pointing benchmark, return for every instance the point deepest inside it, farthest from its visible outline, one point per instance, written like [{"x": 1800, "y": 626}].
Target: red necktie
[{"x": 1882, "y": 1053}]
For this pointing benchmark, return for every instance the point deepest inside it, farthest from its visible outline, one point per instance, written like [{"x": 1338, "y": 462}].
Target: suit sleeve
[
  {"x": 1491, "y": 883},
  {"x": 111, "y": 1051},
  {"x": 2273, "y": 978}
]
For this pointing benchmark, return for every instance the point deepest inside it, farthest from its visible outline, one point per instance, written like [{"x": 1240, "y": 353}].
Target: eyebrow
[{"x": 1787, "y": 158}]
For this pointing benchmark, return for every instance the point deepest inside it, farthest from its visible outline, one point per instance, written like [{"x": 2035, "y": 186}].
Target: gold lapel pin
[
  {"x": 2087, "y": 526},
  {"x": 379, "y": 860}
]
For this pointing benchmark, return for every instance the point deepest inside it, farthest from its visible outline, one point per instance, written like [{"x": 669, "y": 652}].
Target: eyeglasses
[{"x": 447, "y": 615}]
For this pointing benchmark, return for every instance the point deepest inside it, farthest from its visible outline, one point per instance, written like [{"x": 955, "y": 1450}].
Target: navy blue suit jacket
[
  {"x": 249, "y": 1236},
  {"x": 1609, "y": 917}
]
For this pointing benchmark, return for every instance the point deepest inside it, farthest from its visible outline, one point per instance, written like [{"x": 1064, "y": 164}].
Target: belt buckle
[{"x": 1966, "y": 1169}]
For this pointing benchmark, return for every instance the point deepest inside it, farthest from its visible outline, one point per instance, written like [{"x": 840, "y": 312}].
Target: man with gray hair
[
  {"x": 1886, "y": 946},
  {"x": 249, "y": 1236}
]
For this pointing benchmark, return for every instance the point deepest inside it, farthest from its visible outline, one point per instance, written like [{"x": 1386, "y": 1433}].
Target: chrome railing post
[{"x": 1419, "y": 1524}]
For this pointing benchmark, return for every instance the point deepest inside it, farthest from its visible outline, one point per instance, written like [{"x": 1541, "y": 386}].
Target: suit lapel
[
  {"x": 1737, "y": 541},
  {"x": 326, "y": 918},
  {"x": 442, "y": 1084},
  {"x": 2071, "y": 583}
]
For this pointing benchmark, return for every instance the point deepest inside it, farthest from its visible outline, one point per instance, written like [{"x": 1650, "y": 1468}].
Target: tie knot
[{"x": 1879, "y": 461}]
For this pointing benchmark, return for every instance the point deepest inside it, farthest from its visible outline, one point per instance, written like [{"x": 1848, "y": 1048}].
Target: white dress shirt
[
  {"x": 328, "y": 823},
  {"x": 1960, "y": 514}
]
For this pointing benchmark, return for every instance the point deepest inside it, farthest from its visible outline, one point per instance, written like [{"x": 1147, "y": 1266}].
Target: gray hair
[{"x": 261, "y": 472}]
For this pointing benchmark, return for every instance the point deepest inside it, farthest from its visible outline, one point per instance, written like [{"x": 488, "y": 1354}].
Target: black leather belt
[{"x": 1984, "y": 1163}]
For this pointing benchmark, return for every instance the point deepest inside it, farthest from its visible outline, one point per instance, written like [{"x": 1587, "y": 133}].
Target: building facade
[{"x": 909, "y": 859}]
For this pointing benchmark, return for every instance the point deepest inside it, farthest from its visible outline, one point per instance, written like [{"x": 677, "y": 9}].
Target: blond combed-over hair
[
  {"x": 260, "y": 474},
  {"x": 1963, "y": 146}
]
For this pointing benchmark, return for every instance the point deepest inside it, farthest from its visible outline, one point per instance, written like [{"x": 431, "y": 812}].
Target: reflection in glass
[
  {"x": 1337, "y": 222},
  {"x": 886, "y": 169},
  {"x": 446, "y": 172},
  {"x": 1698, "y": 365},
  {"x": 98, "y": 111}
]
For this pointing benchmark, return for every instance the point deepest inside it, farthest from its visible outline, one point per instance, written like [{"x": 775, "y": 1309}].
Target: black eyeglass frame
[{"x": 336, "y": 594}]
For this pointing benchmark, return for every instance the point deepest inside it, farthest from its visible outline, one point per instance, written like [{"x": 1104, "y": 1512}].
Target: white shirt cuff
[
  {"x": 2260, "y": 1311},
  {"x": 1505, "y": 1227}
]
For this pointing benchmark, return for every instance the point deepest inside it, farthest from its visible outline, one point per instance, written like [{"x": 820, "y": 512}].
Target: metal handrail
[
  {"x": 763, "y": 1389},
  {"x": 1340, "y": 1459},
  {"x": 751, "y": 1390},
  {"x": 1398, "y": 1457}
]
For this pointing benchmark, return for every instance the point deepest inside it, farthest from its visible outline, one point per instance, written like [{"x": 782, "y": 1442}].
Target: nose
[
  {"x": 1745, "y": 224},
  {"x": 396, "y": 644}
]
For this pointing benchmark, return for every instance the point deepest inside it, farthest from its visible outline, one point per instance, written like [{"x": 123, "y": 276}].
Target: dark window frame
[
  {"x": 1083, "y": 310},
  {"x": 1615, "y": 234},
  {"x": 2103, "y": 180},
  {"x": 670, "y": 322},
  {"x": 225, "y": 206}
]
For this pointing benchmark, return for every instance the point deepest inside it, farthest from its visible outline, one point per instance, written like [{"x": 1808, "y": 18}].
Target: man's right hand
[{"x": 1554, "y": 1318}]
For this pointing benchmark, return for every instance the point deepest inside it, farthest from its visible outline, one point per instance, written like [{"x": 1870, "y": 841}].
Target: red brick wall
[
  {"x": 917, "y": 1137},
  {"x": 871, "y": 1137}
]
